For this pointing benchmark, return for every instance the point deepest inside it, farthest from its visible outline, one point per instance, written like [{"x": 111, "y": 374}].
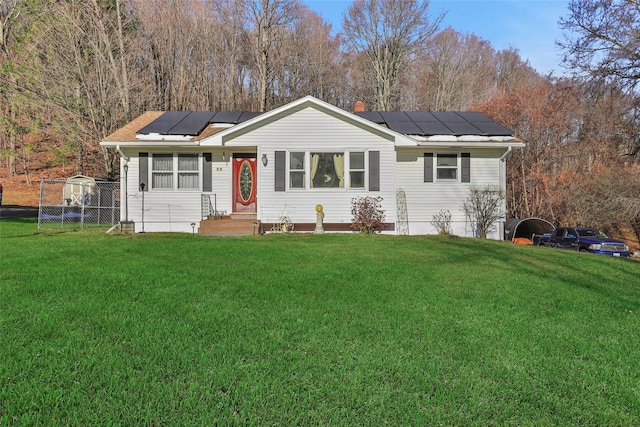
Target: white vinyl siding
[
  {"x": 312, "y": 131},
  {"x": 309, "y": 130},
  {"x": 172, "y": 210},
  {"x": 425, "y": 199}
]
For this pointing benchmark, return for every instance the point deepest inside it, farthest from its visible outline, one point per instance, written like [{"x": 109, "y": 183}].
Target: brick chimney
[{"x": 358, "y": 107}]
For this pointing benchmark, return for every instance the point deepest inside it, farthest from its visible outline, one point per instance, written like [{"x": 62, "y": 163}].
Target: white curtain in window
[
  {"x": 315, "y": 159},
  {"x": 162, "y": 180},
  {"x": 188, "y": 162},
  {"x": 163, "y": 162},
  {"x": 188, "y": 180},
  {"x": 338, "y": 163}
]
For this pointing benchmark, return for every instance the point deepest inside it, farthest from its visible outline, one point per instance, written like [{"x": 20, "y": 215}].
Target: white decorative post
[{"x": 319, "y": 217}]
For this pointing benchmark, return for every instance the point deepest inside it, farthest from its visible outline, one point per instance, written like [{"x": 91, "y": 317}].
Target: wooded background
[{"x": 74, "y": 71}]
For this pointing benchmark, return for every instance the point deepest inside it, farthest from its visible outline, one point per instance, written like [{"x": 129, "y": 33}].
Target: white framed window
[
  {"x": 356, "y": 169},
  {"x": 327, "y": 170},
  {"x": 447, "y": 167},
  {"x": 175, "y": 171},
  {"x": 320, "y": 170},
  {"x": 297, "y": 169},
  {"x": 188, "y": 172},
  {"x": 162, "y": 171}
]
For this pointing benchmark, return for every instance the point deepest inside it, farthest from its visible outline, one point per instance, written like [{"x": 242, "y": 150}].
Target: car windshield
[{"x": 589, "y": 232}]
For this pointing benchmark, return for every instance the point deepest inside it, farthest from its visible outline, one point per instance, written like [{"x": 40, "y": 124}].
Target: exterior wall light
[{"x": 265, "y": 160}]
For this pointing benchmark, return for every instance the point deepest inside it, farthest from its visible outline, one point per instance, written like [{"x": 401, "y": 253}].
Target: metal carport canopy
[{"x": 526, "y": 228}]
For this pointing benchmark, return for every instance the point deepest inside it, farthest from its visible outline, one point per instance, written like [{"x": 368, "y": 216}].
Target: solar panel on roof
[
  {"x": 193, "y": 124},
  {"x": 463, "y": 128},
  {"x": 394, "y": 116},
  {"x": 433, "y": 128},
  {"x": 421, "y": 116},
  {"x": 408, "y": 123},
  {"x": 373, "y": 116},
  {"x": 474, "y": 116},
  {"x": 164, "y": 123},
  {"x": 407, "y": 128},
  {"x": 447, "y": 116},
  {"x": 227, "y": 117},
  {"x": 437, "y": 123},
  {"x": 493, "y": 128},
  {"x": 248, "y": 115}
]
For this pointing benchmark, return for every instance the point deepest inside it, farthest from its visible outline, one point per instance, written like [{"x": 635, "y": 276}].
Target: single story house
[{"x": 178, "y": 168}]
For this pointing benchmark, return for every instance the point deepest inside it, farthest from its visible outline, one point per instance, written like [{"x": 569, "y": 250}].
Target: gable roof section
[
  {"x": 403, "y": 128},
  {"x": 225, "y": 137},
  {"x": 127, "y": 135},
  {"x": 128, "y": 132}
]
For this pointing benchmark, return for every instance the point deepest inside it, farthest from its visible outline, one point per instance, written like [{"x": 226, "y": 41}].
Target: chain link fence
[{"x": 79, "y": 203}]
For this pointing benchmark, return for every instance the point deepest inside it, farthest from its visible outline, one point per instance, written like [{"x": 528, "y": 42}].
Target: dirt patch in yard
[{"x": 23, "y": 190}]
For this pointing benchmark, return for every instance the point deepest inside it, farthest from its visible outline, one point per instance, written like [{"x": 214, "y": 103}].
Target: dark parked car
[{"x": 583, "y": 239}]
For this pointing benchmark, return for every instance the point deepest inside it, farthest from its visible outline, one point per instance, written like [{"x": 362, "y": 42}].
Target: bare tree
[
  {"x": 387, "y": 33},
  {"x": 456, "y": 71},
  {"x": 512, "y": 72},
  {"x": 20, "y": 25},
  {"x": 601, "y": 39},
  {"x": 167, "y": 28},
  {"x": 268, "y": 21},
  {"x": 311, "y": 58},
  {"x": 230, "y": 60},
  {"x": 86, "y": 54},
  {"x": 601, "y": 42},
  {"x": 545, "y": 116},
  {"x": 9, "y": 13},
  {"x": 482, "y": 208}
]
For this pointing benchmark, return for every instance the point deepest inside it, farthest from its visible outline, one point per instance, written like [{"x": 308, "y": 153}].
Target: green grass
[{"x": 178, "y": 329}]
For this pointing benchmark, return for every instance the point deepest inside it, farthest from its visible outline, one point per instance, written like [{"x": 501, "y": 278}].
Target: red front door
[{"x": 244, "y": 182}]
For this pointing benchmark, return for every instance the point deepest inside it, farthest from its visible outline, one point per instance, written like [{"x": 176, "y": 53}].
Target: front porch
[{"x": 237, "y": 224}]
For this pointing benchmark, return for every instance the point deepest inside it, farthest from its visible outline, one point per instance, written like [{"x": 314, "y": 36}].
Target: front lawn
[{"x": 158, "y": 329}]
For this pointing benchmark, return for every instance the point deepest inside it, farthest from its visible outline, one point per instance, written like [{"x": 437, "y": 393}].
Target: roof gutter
[
  {"x": 509, "y": 149},
  {"x": 121, "y": 153}
]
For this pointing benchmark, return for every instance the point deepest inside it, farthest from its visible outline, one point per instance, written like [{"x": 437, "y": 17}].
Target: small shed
[
  {"x": 522, "y": 230},
  {"x": 79, "y": 190}
]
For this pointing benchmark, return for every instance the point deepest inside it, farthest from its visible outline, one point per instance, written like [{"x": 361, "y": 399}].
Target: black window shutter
[
  {"x": 206, "y": 172},
  {"x": 143, "y": 172},
  {"x": 374, "y": 171},
  {"x": 280, "y": 168},
  {"x": 466, "y": 167},
  {"x": 428, "y": 167}
]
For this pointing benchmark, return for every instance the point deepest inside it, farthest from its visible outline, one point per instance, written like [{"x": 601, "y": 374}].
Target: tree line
[{"x": 74, "y": 71}]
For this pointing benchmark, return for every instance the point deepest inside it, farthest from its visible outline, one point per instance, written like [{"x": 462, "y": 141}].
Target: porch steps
[{"x": 236, "y": 224}]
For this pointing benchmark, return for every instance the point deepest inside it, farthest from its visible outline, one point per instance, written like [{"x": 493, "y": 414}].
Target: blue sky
[{"x": 531, "y": 26}]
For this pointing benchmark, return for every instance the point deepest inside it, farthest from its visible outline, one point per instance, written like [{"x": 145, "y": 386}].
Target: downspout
[
  {"x": 509, "y": 148},
  {"x": 503, "y": 178},
  {"x": 126, "y": 181}
]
